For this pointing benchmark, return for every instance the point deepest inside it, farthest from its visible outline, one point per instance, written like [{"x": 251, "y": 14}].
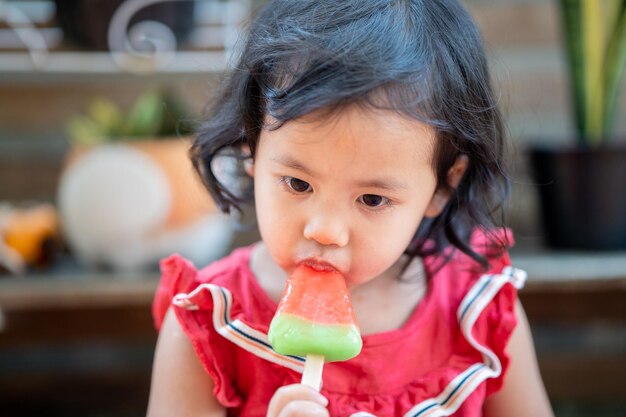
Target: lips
[{"x": 318, "y": 265}]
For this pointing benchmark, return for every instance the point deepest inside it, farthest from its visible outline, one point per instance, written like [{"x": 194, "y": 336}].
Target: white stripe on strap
[{"x": 236, "y": 331}]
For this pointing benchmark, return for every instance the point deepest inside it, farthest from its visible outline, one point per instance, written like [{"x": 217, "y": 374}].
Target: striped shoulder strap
[
  {"x": 459, "y": 389},
  {"x": 235, "y": 330}
]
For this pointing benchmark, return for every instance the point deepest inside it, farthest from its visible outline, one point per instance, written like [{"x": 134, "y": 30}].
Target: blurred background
[{"x": 95, "y": 188}]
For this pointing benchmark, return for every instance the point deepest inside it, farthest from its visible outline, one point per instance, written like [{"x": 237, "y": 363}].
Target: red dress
[{"x": 447, "y": 358}]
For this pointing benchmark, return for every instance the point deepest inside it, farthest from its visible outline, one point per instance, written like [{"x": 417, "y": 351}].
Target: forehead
[{"x": 354, "y": 130}]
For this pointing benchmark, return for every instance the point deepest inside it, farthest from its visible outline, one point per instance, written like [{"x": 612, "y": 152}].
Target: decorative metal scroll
[
  {"x": 26, "y": 31},
  {"x": 124, "y": 44},
  {"x": 145, "y": 47}
]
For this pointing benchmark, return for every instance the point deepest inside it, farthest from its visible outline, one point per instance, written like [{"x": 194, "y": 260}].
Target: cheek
[
  {"x": 381, "y": 246},
  {"x": 275, "y": 221},
  {"x": 266, "y": 206}
]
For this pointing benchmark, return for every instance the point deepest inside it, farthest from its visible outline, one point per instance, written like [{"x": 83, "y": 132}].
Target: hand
[{"x": 297, "y": 400}]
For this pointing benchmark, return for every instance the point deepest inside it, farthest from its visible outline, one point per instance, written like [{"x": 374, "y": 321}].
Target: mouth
[{"x": 318, "y": 265}]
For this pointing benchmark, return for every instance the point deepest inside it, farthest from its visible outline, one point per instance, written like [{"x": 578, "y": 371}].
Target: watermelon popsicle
[{"x": 315, "y": 319}]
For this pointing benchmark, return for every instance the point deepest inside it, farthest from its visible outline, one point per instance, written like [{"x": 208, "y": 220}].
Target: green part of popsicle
[{"x": 291, "y": 335}]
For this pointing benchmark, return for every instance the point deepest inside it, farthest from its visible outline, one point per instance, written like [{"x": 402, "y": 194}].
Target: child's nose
[{"x": 327, "y": 229}]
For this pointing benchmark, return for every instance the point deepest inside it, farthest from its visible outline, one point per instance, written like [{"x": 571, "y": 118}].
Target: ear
[
  {"x": 248, "y": 160},
  {"x": 442, "y": 195}
]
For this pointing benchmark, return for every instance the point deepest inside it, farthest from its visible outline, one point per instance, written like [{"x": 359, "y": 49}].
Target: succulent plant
[
  {"x": 595, "y": 37},
  {"x": 153, "y": 115}
]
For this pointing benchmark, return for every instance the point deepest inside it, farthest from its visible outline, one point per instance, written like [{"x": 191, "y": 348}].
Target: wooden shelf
[
  {"x": 67, "y": 286},
  {"x": 546, "y": 267},
  {"x": 16, "y": 65},
  {"x": 89, "y": 290}
]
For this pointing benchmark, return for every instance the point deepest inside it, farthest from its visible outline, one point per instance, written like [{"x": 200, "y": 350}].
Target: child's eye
[
  {"x": 373, "y": 200},
  {"x": 297, "y": 185}
]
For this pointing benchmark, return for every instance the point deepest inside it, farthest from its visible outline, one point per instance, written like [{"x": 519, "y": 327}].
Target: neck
[
  {"x": 268, "y": 274},
  {"x": 388, "y": 301}
]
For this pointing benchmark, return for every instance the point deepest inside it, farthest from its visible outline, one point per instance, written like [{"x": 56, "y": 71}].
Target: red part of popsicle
[{"x": 319, "y": 296}]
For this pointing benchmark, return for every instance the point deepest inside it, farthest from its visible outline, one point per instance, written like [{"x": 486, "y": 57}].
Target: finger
[
  {"x": 304, "y": 408},
  {"x": 294, "y": 392},
  {"x": 290, "y": 393}
]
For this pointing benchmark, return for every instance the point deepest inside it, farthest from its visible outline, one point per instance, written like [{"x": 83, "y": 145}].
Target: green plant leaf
[
  {"x": 175, "y": 117},
  {"x": 572, "y": 31},
  {"x": 146, "y": 116},
  {"x": 594, "y": 49},
  {"x": 106, "y": 115},
  {"x": 615, "y": 64},
  {"x": 84, "y": 131}
]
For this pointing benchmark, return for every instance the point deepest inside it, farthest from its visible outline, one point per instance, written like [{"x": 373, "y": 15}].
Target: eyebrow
[
  {"x": 390, "y": 184},
  {"x": 289, "y": 162},
  {"x": 384, "y": 183}
]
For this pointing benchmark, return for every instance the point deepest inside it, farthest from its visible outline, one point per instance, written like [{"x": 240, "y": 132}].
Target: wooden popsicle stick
[{"x": 312, "y": 374}]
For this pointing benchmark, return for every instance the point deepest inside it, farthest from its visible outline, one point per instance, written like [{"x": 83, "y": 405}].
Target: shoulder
[
  {"x": 228, "y": 269},
  {"x": 461, "y": 271},
  {"x": 204, "y": 314},
  {"x": 179, "y": 277}
]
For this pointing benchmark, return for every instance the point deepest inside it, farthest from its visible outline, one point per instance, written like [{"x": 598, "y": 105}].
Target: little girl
[{"x": 375, "y": 146}]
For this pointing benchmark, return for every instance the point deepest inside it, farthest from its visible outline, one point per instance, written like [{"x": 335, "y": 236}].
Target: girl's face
[{"x": 346, "y": 193}]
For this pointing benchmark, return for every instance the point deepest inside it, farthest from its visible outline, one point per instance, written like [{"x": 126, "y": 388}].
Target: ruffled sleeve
[
  {"x": 501, "y": 319},
  {"x": 497, "y": 321},
  {"x": 179, "y": 276}
]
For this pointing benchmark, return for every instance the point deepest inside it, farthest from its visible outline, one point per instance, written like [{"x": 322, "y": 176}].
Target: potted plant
[
  {"x": 129, "y": 196},
  {"x": 582, "y": 188}
]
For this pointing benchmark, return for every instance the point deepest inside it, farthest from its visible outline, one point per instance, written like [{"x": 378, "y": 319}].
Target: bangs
[
  {"x": 379, "y": 59},
  {"x": 327, "y": 90}
]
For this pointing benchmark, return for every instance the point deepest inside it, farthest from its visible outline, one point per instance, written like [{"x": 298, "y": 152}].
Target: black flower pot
[{"x": 583, "y": 196}]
